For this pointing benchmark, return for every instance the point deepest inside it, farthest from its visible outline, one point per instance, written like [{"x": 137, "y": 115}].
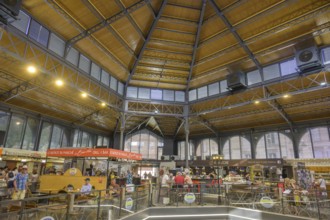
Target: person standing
[
  {"x": 21, "y": 183},
  {"x": 34, "y": 181}
]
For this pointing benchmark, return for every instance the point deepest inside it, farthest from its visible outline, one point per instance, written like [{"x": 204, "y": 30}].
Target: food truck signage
[{"x": 90, "y": 152}]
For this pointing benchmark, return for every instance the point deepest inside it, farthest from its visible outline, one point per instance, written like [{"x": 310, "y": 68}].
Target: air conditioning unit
[
  {"x": 165, "y": 157},
  {"x": 236, "y": 80},
  {"x": 308, "y": 58},
  {"x": 175, "y": 157},
  {"x": 11, "y": 7}
]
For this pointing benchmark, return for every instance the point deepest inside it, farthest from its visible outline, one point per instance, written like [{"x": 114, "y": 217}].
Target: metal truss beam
[
  {"x": 162, "y": 60},
  {"x": 233, "y": 31},
  {"x": 175, "y": 31},
  {"x": 178, "y": 127},
  {"x": 53, "y": 67},
  {"x": 293, "y": 86},
  {"x": 277, "y": 107},
  {"x": 206, "y": 124},
  {"x": 199, "y": 28},
  {"x": 107, "y": 22},
  {"x": 92, "y": 8},
  {"x": 151, "y": 30},
  {"x": 90, "y": 117},
  {"x": 61, "y": 11},
  {"x": 131, "y": 20}
]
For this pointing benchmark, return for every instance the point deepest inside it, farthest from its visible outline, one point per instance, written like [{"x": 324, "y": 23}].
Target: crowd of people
[{"x": 19, "y": 181}]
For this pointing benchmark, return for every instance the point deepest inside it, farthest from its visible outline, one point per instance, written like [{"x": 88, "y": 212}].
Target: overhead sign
[{"x": 90, "y": 152}]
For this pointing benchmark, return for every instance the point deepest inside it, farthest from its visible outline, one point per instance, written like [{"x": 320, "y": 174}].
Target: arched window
[
  {"x": 315, "y": 143},
  {"x": 143, "y": 142},
  {"x": 181, "y": 150},
  {"x": 274, "y": 145},
  {"x": 207, "y": 147},
  {"x": 237, "y": 147}
]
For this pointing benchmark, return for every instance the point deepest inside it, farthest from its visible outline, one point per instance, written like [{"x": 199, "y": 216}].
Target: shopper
[
  {"x": 21, "y": 183},
  {"x": 87, "y": 187},
  {"x": 322, "y": 186},
  {"x": 179, "y": 180},
  {"x": 10, "y": 178},
  {"x": 34, "y": 181}
]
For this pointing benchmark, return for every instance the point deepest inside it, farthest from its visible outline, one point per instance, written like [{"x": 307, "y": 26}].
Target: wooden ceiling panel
[
  {"x": 174, "y": 37},
  {"x": 143, "y": 18},
  {"x": 165, "y": 24},
  {"x": 182, "y": 13},
  {"x": 215, "y": 63},
  {"x": 50, "y": 18},
  {"x": 212, "y": 28},
  {"x": 87, "y": 46},
  {"x": 127, "y": 32},
  {"x": 79, "y": 12},
  {"x": 106, "y": 8}
]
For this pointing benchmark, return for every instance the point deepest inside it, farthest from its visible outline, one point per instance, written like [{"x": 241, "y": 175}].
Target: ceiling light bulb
[
  {"x": 323, "y": 83},
  {"x": 156, "y": 111},
  {"x": 103, "y": 104},
  {"x": 31, "y": 69},
  {"x": 59, "y": 82},
  {"x": 18, "y": 123},
  {"x": 84, "y": 94},
  {"x": 257, "y": 102},
  {"x": 285, "y": 96}
]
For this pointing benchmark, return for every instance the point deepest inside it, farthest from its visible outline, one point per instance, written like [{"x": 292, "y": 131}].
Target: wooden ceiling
[{"x": 174, "y": 44}]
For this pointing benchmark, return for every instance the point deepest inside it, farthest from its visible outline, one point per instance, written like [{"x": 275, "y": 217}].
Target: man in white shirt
[
  {"x": 87, "y": 187},
  {"x": 165, "y": 180}
]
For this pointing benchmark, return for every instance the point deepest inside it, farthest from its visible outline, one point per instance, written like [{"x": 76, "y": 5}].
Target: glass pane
[
  {"x": 326, "y": 55},
  {"x": 321, "y": 143},
  {"x": 95, "y": 71},
  {"x": 85, "y": 139},
  {"x": 131, "y": 92},
  {"x": 202, "y": 92},
  {"x": 56, "y": 45},
  {"x": 84, "y": 63},
  {"x": 144, "y": 143},
  {"x": 223, "y": 86},
  {"x": 92, "y": 140},
  {"x": 45, "y": 136},
  {"x": 235, "y": 148},
  {"x": 15, "y": 133},
  {"x": 127, "y": 146},
  {"x": 205, "y": 148},
  {"x": 144, "y": 93},
  {"x": 156, "y": 94},
  {"x": 113, "y": 83},
  {"x": 160, "y": 153},
  {"x": 135, "y": 143},
  {"x": 272, "y": 144},
  {"x": 168, "y": 95},
  {"x": 261, "y": 149},
  {"x": 75, "y": 138},
  {"x": 213, "y": 147},
  {"x": 105, "y": 78},
  {"x": 305, "y": 146},
  {"x": 106, "y": 142},
  {"x": 38, "y": 33},
  {"x": 271, "y": 72},
  {"x": 73, "y": 56},
  {"x": 179, "y": 96},
  {"x": 30, "y": 134},
  {"x": 253, "y": 77},
  {"x": 152, "y": 147},
  {"x": 99, "y": 140},
  {"x": 286, "y": 147},
  {"x": 214, "y": 88},
  {"x": 120, "y": 88},
  {"x": 66, "y": 137},
  {"x": 288, "y": 67},
  {"x": 225, "y": 150},
  {"x": 199, "y": 151},
  {"x": 22, "y": 23},
  {"x": 4, "y": 117},
  {"x": 56, "y": 137},
  {"x": 246, "y": 148},
  {"x": 192, "y": 95}
]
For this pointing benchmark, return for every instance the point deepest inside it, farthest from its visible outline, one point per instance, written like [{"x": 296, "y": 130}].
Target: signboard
[
  {"x": 189, "y": 198},
  {"x": 21, "y": 153},
  {"x": 90, "y": 152},
  {"x": 267, "y": 202},
  {"x": 129, "y": 203}
]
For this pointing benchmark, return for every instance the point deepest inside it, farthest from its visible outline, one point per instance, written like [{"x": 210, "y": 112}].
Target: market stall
[{"x": 82, "y": 162}]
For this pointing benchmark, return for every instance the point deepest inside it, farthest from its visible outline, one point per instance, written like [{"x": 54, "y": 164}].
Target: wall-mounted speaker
[{"x": 236, "y": 80}]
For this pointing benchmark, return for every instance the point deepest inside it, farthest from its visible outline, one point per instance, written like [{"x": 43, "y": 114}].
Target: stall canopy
[{"x": 90, "y": 152}]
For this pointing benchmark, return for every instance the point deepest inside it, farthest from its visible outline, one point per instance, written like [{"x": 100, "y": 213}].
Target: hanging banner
[
  {"x": 90, "y": 152},
  {"x": 21, "y": 153}
]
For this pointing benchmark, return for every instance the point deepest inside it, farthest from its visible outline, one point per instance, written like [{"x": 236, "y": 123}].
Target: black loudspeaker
[
  {"x": 236, "y": 80},
  {"x": 12, "y": 6}
]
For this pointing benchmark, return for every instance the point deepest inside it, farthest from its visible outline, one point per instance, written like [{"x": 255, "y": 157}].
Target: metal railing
[{"x": 104, "y": 204}]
